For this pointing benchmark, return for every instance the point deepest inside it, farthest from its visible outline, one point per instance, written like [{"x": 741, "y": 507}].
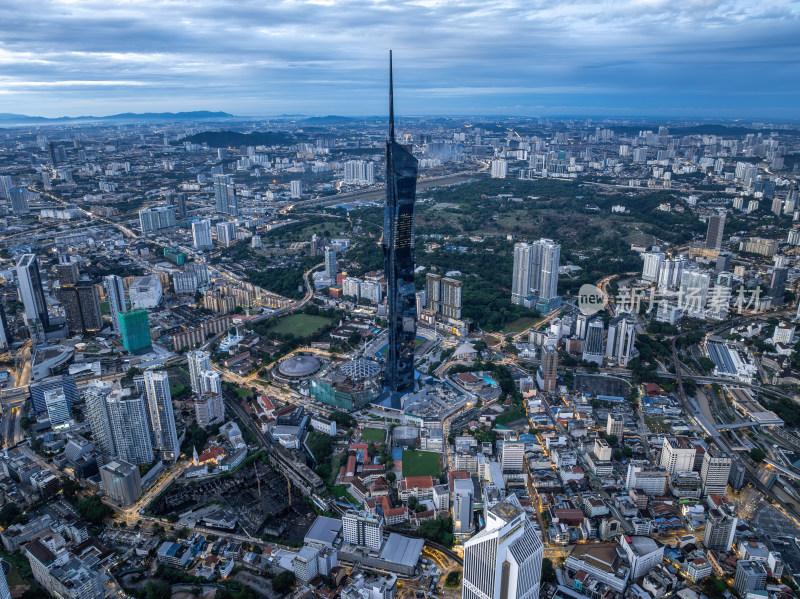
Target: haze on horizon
[{"x": 697, "y": 58}]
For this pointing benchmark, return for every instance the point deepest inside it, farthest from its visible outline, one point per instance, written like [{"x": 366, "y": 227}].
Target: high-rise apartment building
[
  {"x": 5, "y": 593},
  {"x": 19, "y": 202},
  {"x": 535, "y": 274},
  {"x": 121, "y": 481},
  {"x": 295, "y": 189},
  {"x": 95, "y": 395},
  {"x": 81, "y": 307},
  {"x": 134, "y": 328},
  {"x": 201, "y": 235},
  {"x": 198, "y": 361},
  {"x": 363, "y": 529},
  {"x": 130, "y": 428},
  {"x": 226, "y": 233},
  {"x": 714, "y": 473},
  {"x": 505, "y": 558},
  {"x": 652, "y": 265},
  {"x": 162, "y": 418},
  {"x": 444, "y": 295},
  {"x": 499, "y": 169},
  {"x": 330, "y": 263},
  {"x": 209, "y": 408},
  {"x": 225, "y": 201},
  {"x": 31, "y": 291},
  {"x": 669, "y": 276},
  {"x": 154, "y": 219},
  {"x": 398, "y": 259},
  {"x": 115, "y": 295},
  {"x": 693, "y": 293},
  {"x": 677, "y": 455},
  {"x": 716, "y": 225},
  {"x": 360, "y": 172}
]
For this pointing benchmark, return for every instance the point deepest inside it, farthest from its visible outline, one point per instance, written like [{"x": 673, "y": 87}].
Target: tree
[
  {"x": 93, "y": 510},
  {"x": 612, "y": 439},
  {"x": 158, "y": 589},
  {"x": 391, "y": 477},
  {"x": 548, "y": 571},
  {"x": 757, "y": 454},
  {"x": 453, "y": 579},
  {"x": 283, "y": 582},
  {"x": 9, "y": 514}
]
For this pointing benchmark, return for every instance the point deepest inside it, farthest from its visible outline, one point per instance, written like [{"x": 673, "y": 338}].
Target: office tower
[
  {"x": 505, "y": 558},
  {"x": 615, "y": 425},
  {"x": 593, "y": 344},
  {"x": 669, "y": 277},
  {"x": 5, "y": 593},
  {"x": 115, "y": 295},
  {"x": 162, "y": 418},
  {"x": 129, "y": 427},
  {"x": 463, "y": 507},
  {"x": 6, "y": 185},
  {"x": 581, "y": 324},
  {"x": 714, "y": 473},
  {"x": 444, "y": 295},
  {"x": 134, "y": 327},
  {"x": 751, "y": 575},
  {"x": 548, "y": 370},
  {"x": 95, "y": 396},
  {"x": 19, "y": 202},
  {"x": 677, "y": 455},
  {"x": 499, "y": 169},
  {"x": 121, "y": 481},
  {"x": 330, "y": 263},
  {"x": 81, "y": 307},
  {"x": 621, "y": 335},
  {"x": 716, "y": 224},
  {"x": 180, "y": 198},
  {"x": 226, "y": 233},
  {"x": 57, "y": 408},
  {"x": 6, "y": 338},
  {"x": 398, "y": 258},
  {"x": 201, "y": 235},
  {"x": 535, "y": 271},
  {"x": 363, "y": 529},
  {"x": 31, "y": 291},
  {"x": 198, "y": 362},
  {"x": 64, "y": 383},
  {"x": 693, "y": 292},
  {"x": 723, "y": 262},
  {"x": 652, "y": 265},
  {"x": 224, "y": 194},
  {"x": 512, "y": 458},
  {"x": 777, "y": 286},
  {"x": 314, "y": 248}
]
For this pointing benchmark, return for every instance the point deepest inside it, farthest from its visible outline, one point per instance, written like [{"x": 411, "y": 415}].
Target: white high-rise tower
[
  {"x": 162, "y": 418},
  {"x": 115, "y": 293},
  {"x": 199, "y": 361}
]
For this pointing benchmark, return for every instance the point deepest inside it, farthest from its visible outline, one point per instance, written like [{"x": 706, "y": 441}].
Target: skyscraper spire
[{"x": 391, "y": 100}]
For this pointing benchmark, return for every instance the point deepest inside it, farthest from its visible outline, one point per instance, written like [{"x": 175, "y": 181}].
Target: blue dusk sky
[{"x": 672, "y": 58}]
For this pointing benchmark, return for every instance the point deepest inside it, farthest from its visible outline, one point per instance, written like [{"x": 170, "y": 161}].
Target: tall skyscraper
[
  {"x": 31, "y": 290},
  {"x": 226, "y": 233},
  {"x": 593, "y": 344},
  {"x": 129, "y": 427},
  {"x": 505, "y": 558},
  {"x": 19, "y": 202},
  {"x": 162, "y": 418},
  {"x": 621, "y": 335},
  {"x": 652, "y": 265},
  {"x": 330, "y": 263},
  {"x": 198, "y": 362},
  {"x": 723, "y": 263},
  {"x": 669, "y": 276},
  {"x": 693, "y": 293},
  {"x": 714, "y": 473},
  {"x": 201, "y": 235},
  {"x": 6, "y": 338},
  {"x": 535, "y": 275},
  {"x": 295, "y": 189},
  {"x": 398, "y": 257},
  {"x": 463, "y": 507},
  {"x": 548, "y": 370},
  {"x": 95, "y": 396},
  {"x": 135, "y": 330},
  {"x": 115, "y": 294},
  {"x": 225, "y": 195},
  {"x": 716, "y": 224},
  {"x": 81, "y": 307},
  {"x": 5, "y": 593},
  {"x": 777, "y": 286}
]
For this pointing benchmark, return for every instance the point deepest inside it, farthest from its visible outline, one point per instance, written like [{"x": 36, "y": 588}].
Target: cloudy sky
[{"x": 736, "y": 58}]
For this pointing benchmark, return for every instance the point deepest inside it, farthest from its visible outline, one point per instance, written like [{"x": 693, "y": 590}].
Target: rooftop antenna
[{"x": 391, "y": 100}]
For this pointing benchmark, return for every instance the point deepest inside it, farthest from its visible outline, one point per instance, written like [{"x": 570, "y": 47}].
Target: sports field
[
  {"x": 300, "y": 325},
  {"x": 373, "y": 435},
  {"x": 421, "y": 463}
]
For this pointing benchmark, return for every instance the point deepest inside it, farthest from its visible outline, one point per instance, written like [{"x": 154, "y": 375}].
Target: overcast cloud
[{"x": 267, "y": 57}]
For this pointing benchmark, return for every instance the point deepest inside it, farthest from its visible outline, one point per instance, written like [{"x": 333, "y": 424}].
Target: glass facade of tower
[
  {"x": 135, "y": 330},
  {"x": 398, "y": 259}
]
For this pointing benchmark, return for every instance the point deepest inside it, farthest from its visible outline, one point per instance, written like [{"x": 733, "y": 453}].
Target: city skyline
[{"x": 640, "y": 58}]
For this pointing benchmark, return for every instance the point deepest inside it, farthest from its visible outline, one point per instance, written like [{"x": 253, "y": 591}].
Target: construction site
[{"x": 261, "y": 497}]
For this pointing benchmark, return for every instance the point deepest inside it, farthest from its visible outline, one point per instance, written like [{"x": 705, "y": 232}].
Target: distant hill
[
  {"x": 231, "y": 139},
  {"x": 197, "y": 115},
  {"x": 331, "y": 119}
]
